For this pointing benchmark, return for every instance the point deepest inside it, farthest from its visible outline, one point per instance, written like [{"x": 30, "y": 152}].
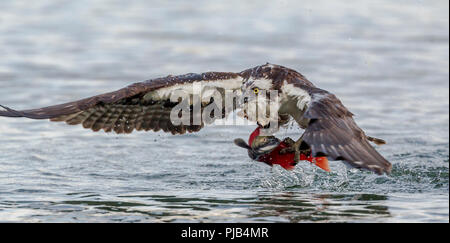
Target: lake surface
[{"x": 387, "y": 61}]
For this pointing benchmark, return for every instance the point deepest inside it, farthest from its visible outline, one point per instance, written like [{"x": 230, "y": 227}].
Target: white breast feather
[
  {"x": 303, "y": 98},
  {"x": 262, "y": 83},
  {"x": 164, "y": 93}
]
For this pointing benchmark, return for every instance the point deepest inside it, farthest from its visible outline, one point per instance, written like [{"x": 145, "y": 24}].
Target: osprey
[{"x": 329, "y": 128}]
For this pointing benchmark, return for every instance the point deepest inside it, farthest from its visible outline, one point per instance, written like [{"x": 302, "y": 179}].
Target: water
[{"x": 387, "y": 61}]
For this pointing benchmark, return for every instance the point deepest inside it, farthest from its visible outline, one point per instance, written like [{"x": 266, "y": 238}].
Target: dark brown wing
[
  {"x": 141, "y": 106},
  {"x": 333, "y": 132}
]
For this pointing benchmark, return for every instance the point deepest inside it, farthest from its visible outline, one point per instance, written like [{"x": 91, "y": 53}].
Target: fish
[{"x": 271, "y": 150}]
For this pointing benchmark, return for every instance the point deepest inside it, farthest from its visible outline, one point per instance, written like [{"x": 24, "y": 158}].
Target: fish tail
[{"x": 322, "y": 162}]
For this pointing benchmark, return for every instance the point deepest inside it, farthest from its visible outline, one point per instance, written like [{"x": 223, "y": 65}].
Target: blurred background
[{"x": 387, "y": 61}]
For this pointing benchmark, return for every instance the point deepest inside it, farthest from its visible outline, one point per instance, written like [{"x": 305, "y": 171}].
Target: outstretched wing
[
  {"x": 141, "y": 106},
  {"x": 333, "y": 132}
]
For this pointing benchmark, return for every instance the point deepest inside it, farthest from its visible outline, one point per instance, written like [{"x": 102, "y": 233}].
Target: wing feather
[
  {"x": 333, "y": 132},
  {"x": 140, "y": 106}
]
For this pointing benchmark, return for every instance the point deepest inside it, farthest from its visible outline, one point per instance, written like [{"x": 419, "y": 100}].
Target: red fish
[{"x": 286, "y": 160}]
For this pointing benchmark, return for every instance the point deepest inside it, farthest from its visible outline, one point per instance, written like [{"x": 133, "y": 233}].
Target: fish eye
[{"x": 255, "y": 90}]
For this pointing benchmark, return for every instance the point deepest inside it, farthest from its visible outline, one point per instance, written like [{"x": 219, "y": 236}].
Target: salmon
[{"x": 267, "y": 149}]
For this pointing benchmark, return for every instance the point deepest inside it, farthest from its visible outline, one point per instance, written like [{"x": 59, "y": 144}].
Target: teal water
[{"x": 387, "y": 61}]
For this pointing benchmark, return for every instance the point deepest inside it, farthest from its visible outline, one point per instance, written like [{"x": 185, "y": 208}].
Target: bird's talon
[
  {"x": 288, "y": 141},
  {"x": 286, "y": 150},
  {"x": 297, "y": 156}
]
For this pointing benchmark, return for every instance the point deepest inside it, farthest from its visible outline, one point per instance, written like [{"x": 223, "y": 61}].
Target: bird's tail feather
[{"x": 377, "y": 141}]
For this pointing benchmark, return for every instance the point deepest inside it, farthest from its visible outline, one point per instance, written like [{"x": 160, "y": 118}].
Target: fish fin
[{"x": 322, "y": 162}]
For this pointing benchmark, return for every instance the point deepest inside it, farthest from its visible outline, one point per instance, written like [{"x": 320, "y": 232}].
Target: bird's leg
[
  {"x": 289, "y": 142},
  {"x": 297, "y": 151},
  {"x": 298, "y": 148}
]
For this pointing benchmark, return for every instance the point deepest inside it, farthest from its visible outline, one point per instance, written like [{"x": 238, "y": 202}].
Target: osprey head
[{"x": 260, "y": 94}]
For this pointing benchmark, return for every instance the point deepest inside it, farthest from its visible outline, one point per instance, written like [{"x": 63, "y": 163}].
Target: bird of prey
[{"x": 329, "y": 128}]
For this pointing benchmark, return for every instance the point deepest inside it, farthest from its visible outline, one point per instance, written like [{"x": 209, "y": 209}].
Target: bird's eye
[{"x": 256, "y": 90}]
